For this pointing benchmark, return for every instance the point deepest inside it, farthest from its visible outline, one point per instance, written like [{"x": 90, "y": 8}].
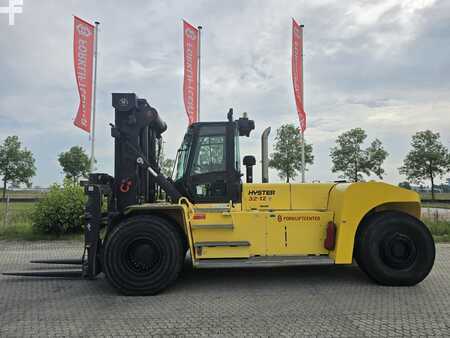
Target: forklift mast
[
  {"x": 137, "y": 127},
  {"x": 137, "y": 140}
]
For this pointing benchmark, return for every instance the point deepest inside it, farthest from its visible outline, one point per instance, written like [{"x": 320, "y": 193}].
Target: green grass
[
  {"x": 440, "y": 229},
  {"x": 436, "y": 205},
  {"x": 19, "y": 226},
  {"x": 437, "y": 196},
  {"x": 25, "y": 232},
  {"x": 18, "y": 213},
  {"x": 32, "y": 194}
]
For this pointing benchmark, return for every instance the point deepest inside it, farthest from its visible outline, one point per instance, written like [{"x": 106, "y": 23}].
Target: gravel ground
[{"x": 300, "y": 301}]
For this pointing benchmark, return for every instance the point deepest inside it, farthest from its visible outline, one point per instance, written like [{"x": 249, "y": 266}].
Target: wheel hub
[
  {"x": 398, "y": 251},
  {"x": 142, "y": 256}
]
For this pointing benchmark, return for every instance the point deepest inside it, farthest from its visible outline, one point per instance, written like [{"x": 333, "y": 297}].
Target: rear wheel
[
  {"x": 394, "y": 248},
  {"x": 143, "y": 255}
]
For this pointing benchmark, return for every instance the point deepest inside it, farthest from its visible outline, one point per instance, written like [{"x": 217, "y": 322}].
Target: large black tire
[
  {"x": 143, "y": 255},
  {"x": 394, "y": 248}
]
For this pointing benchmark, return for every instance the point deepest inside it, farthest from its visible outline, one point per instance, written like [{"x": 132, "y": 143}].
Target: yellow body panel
[
  {"x": 310, "y": 196},
  {"x": 229, "y": 226},
  {"x": 284, "y": 219},
  {"x": 284, "y": 233},
  {"x": 223, "y": 252},
  {"x": 291, "y": 233},
  {"x": 267, "y": 221},
  {"x": 350, "y": 202},
  {"x": 266, "y": 196}
]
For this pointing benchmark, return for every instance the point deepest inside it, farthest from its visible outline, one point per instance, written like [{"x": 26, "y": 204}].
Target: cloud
[{"x": 382, "y": 66}]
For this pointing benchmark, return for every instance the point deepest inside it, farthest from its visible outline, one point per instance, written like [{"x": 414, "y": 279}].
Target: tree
[
  {"x": 349, "y": 158},
  {"x": 16, "y": 163},
  {"x": 165, "y": 164},
  {"x": 287, "y": 158},
  {"x": 75, "y": 163},
  {"x": 167, "y": 167},
  {"x": 428, "y": 159}
]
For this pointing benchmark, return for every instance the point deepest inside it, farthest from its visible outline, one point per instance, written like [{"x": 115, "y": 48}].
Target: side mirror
[{"x": 249, "y": 161}]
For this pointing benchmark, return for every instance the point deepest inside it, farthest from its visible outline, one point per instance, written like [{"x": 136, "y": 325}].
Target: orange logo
[{"x": 306, "y": 218}]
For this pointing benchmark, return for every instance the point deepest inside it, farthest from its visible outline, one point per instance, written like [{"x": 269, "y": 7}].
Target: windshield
[{"x": 182, "y": 157}]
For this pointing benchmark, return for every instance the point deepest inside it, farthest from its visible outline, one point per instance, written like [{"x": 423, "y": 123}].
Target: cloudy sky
[{"x": 380, "y": 65}]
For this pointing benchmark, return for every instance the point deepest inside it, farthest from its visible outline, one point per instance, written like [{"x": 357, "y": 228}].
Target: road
[{"x": 300, "y": 301}]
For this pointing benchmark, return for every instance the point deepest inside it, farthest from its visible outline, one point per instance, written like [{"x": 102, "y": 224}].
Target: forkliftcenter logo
[
  {"x": 191, "y": 34},
  {"x": 14, "y": 7},
  {"x": 261, "y": 192},
  {"x": 83, "y": 30},
  {"x": 306, "y": 218}
]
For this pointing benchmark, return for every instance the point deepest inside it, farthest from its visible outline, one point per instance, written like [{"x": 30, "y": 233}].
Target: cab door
[{"x": 213, "y": 176}]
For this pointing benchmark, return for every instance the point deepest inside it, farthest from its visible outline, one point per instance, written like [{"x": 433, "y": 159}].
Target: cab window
[
  {"x": 210, "y": 153},
  {"x": 182, "y": 157}
]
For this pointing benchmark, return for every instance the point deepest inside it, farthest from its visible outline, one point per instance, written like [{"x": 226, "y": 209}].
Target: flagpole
[
  {"x": 303, "y": 156},
  {"x": 199, "y": 66},
  {"x": 92, "y": 159},
  {"x": 303, "y": 132}
]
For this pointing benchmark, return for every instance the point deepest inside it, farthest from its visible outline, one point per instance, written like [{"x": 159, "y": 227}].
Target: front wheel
[
  {"x": 143, "y": 255},
  {"x": 395, "y": 249}
]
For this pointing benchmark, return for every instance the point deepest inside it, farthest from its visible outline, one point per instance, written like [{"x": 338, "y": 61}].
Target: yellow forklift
[{"x": 225, "y": 223}]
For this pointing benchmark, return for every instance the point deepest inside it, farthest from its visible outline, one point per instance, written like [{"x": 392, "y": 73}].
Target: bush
[
  {"x": 61, "y": 210},
  {"x": 439, "y": 229}
]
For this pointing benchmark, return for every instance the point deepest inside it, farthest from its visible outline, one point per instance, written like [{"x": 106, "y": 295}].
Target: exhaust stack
[{"x": 265, "y": 156}]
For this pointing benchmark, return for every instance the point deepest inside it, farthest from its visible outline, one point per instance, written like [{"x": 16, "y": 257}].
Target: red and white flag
[
  {"x": 190, "y": 83},
  {"x": 83, "y": 55},
  {"x": 297, "y": 71}
]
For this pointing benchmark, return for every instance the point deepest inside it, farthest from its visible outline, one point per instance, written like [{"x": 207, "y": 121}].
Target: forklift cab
[{"x": 207, "y": 168}]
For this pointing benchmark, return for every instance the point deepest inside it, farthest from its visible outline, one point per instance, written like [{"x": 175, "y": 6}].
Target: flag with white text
[
  {"x": 83, "y": 55},
  {"x": 297, "y": 71},
  {"x": 190, "y": 82}
]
